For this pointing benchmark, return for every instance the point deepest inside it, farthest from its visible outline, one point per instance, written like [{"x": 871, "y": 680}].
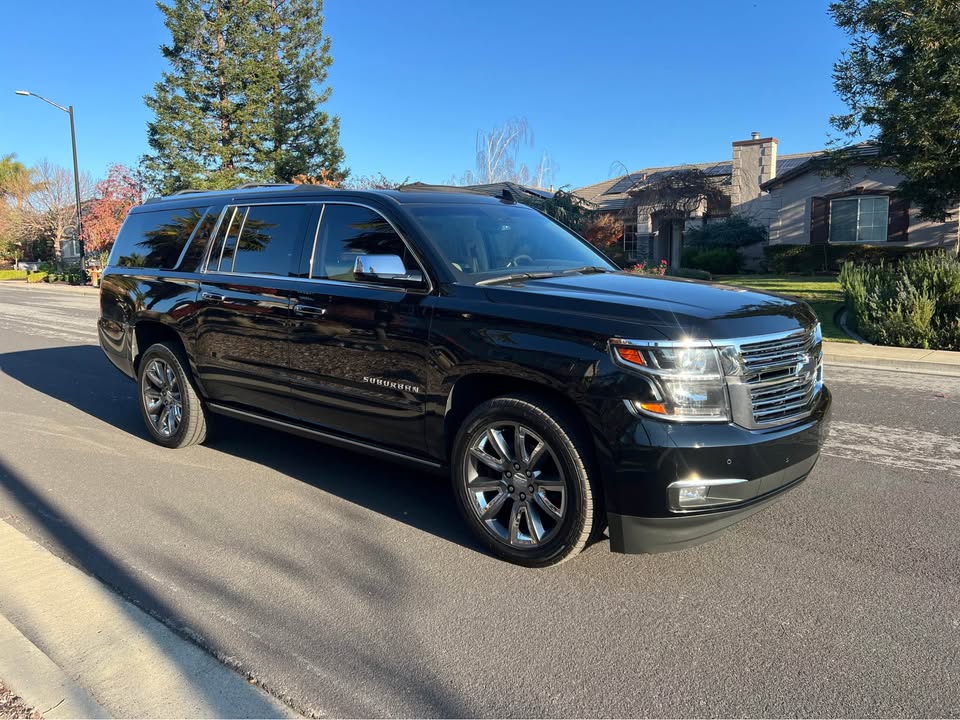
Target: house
[{"x": 788, "y": 194}]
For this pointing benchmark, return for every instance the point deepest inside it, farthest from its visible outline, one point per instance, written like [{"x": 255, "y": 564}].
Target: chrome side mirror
[{"x": 385, "y": 268}]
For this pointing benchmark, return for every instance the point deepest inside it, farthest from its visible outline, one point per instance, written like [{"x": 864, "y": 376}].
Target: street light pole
[{"x": 76, "y": 173}]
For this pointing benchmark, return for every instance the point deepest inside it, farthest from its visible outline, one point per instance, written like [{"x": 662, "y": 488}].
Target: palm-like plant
[{"x": 17, "y": 181}]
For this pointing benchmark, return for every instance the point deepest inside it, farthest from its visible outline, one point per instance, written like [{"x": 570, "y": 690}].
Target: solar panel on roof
[
  {"x": 718, "y": 169},
  {"x": 622, "y": 185}
]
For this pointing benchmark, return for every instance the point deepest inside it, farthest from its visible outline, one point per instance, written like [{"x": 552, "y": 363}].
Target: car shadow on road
[{"x": 82, "y": 377}]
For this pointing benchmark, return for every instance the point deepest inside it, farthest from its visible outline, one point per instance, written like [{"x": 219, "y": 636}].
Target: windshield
[{"x": 483, "y": 241}]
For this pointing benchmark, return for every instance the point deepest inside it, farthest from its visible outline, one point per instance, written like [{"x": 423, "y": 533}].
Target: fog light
[
  {"x": 693, "y": 495},
  {"x": 697, "y": 493}
]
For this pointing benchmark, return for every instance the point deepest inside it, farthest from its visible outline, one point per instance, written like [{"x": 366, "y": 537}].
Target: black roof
[{"x": 185, "y": 198}]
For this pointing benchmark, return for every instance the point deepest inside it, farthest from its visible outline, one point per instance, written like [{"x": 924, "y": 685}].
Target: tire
[
  {"x": 172, "y": 411},
  {"x": 557, "y": 519}
]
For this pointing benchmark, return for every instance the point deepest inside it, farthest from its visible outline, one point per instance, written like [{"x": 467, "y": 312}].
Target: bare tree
[
  {"x": 677, "y": 194},
  {"x": 52, "y": 213},
  {"x": 498, "y": 157}
]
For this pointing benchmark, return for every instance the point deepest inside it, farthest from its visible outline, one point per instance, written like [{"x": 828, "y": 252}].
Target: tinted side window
[
  {"x": 194, "y": 253},
  {"x": 154, "y": 239},
  {"x": 347, "y": 231},
  {"x": 270, "y": 236},
  {"x": 259, "y": 239}
]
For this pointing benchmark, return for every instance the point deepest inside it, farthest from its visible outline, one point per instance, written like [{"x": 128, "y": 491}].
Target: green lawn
[{"x": 822, "y": 292}]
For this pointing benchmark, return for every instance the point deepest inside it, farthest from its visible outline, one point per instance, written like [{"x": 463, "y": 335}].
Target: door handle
[
  {"x": 213, "y": 297},
  {"x": 309, "y": 311}
]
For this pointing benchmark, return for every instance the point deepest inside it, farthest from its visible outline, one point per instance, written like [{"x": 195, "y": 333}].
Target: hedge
[
  {"x": 807, "y": 259},
  {"x": 690, "y": 274},
  {"x": 915, "y": 303},
  {"x": 13, "y": 274},
  {"x": 716, "y": 260},
  {"x": 36, "y": 277}
]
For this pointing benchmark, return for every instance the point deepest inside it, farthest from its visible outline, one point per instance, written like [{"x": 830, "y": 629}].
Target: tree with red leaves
[{"x": 103, "y": 216}]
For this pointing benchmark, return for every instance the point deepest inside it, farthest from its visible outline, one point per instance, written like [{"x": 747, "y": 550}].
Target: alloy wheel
[
  {"x": 162, "y": 398},
  {"x": 515, "y": 484}
]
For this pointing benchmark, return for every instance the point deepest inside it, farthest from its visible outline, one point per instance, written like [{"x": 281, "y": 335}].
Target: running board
[{"x": 325, "y": 437}]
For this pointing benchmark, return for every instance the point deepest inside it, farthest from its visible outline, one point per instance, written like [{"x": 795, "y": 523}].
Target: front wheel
[
  {"x": 521, "y": 475},
  {"x": 172, "y": 411}
]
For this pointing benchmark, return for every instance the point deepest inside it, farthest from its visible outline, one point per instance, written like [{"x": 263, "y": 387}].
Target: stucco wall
[{"x": 786, "y": 210}]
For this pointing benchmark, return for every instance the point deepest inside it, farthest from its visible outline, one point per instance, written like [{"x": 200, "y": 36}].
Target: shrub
[
  {"x": 643, "y": 269},
  {"x": 690, "y": 273},
  {"x": 914, "y": 303},
  {"x": 734, "y": 231},
  {"x": 13, "y": 274},
  {"x": 808, "y": 259},
  {"x": 715, "y": 260},
  {"x": 35, "y": 277}
]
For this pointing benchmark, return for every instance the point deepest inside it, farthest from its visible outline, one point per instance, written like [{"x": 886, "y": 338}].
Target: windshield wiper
[
  {"x": 586, "y": 269},
  {"x": 516, "y": 276}
]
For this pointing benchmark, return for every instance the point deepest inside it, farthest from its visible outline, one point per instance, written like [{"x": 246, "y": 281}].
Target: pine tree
[
  {"x": 305, "y": 140},
  {"x": 241, "y": 100}
]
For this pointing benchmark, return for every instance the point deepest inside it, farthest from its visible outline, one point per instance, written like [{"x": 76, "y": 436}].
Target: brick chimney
[{"x": 754, "y": 162}]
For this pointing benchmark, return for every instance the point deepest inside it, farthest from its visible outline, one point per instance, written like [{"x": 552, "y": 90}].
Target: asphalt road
[{"x": 348, "y": 587}]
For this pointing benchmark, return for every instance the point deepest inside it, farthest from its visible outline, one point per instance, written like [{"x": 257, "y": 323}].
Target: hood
[{"x": 674, "y": 307}]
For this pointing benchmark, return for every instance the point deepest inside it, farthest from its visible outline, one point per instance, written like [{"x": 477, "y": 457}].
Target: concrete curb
[
  {"x": 59, "y": 623},
  {"x": 877, "y": 357},
  {"x": 28, "y": 672}
]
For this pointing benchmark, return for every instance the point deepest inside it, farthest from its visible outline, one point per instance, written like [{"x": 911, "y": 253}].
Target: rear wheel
[
  {"x": 172, "y": 411},
  {"x": 522, "y": 478}
]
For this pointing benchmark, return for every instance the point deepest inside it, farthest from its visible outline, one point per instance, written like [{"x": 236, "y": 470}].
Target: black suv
[{"x": 475, "y": 336}]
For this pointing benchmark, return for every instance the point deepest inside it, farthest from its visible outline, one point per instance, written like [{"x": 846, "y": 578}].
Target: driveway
[{"x": 348, "y": 586}]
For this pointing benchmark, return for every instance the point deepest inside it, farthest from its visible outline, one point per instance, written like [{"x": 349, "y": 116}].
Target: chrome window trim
[
  {"x": 193, "y": 234},
  {"x": 318, "y": 281},
  {"x": 223, "y": 245},
  {"x": 243, "y": 225},
  {"x": 204, "y": 265},
  {"x": 316, "y": 239},
  {"x": 205, "y": 269}
]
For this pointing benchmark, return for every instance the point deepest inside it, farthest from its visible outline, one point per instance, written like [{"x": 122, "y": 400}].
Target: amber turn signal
[
  {"x": 657, "y": 408},
  {"x": 631, "y": 355}
]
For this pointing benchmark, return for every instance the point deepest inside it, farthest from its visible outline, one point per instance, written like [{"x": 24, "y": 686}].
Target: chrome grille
[{"x": 782, "y": 375}]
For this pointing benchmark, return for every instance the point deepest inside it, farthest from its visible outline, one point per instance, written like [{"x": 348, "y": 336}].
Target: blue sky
[{"x": 603, "y": 84}]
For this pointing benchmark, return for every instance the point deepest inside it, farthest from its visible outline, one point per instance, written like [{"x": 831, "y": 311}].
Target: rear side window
[
  {"x": 155, "y": 239},
  {"x": 195, "y": 249},
  {"x": 259, "y": 239}
]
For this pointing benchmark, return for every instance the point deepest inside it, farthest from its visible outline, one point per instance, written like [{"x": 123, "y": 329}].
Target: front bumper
[{"x": 651, "y": 455}]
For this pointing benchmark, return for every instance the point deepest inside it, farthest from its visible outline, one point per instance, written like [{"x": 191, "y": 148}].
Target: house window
[{"x": 859, "y": 219}]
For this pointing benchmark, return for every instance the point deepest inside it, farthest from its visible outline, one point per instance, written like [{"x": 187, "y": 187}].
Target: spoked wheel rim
[
  {"x": 515, "y": 485},
  {"x": 162, "y": 397}
]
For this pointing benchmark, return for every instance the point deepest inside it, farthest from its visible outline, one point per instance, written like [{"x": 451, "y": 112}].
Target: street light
[{"x": 76, "y": 170}]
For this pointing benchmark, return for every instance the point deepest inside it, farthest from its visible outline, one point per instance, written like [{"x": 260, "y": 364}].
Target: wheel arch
[
  {"x": 150, "y": 332},
  {"x": 472, "y": 389}
]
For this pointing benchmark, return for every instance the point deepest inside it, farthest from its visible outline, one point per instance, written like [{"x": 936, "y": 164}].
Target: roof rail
[
  {"x": 249, "y": 185},
  {"x": 187, "y": 191}
]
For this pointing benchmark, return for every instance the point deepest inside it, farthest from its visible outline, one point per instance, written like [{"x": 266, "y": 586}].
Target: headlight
[{"x": 685, "y": 380}]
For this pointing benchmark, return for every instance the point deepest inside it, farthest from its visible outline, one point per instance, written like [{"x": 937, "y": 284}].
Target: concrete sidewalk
[
  {"x": 880, "y": 357},
  {"x": 75, "y": 289},
  {"x": 72, "y": 648}
]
